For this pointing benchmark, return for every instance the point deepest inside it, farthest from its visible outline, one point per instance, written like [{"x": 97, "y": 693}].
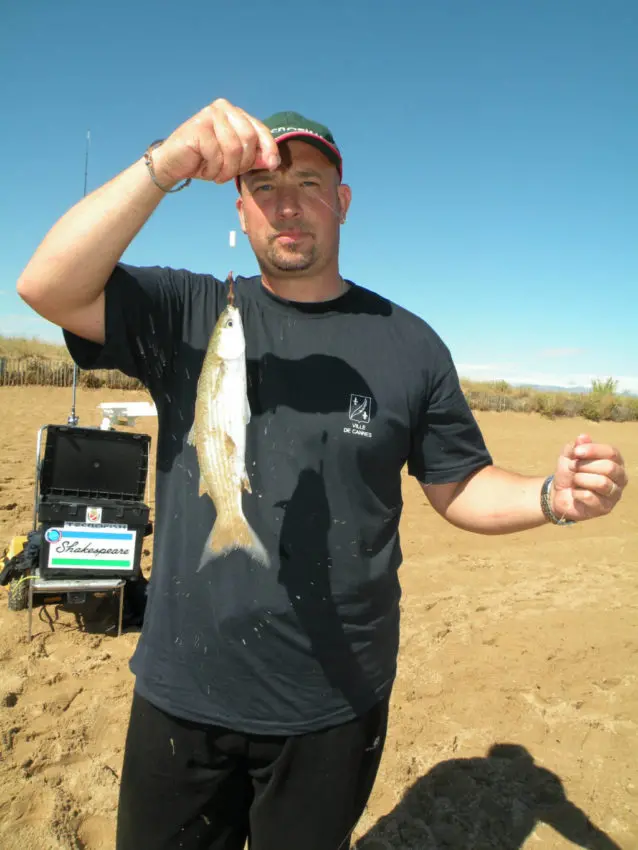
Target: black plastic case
[{"x": 91, "y": 506}]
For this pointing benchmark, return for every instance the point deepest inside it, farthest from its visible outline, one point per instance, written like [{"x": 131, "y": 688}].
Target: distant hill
[{"x": 548, "y": 388}]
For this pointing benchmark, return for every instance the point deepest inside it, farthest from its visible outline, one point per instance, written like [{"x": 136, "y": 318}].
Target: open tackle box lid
[{"x": 93, "y": 463}]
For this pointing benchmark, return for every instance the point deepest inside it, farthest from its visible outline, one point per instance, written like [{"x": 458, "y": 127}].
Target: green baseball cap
[{"x": 291, "y": 125}]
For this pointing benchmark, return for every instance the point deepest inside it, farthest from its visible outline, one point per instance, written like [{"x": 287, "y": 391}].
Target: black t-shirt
[{"x": 343, "y": 394}]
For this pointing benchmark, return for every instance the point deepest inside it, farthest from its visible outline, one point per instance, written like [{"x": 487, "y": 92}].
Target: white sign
[{"x": 91, "y": 547}]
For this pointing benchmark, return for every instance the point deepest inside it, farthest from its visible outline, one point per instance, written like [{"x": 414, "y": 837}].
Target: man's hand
[
  {"x": 218, "y": 144},
  {"x": 589, "y": 480}
]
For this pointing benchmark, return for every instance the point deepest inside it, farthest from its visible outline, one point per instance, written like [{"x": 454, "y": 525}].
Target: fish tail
[{"x": 232, "y": 531}]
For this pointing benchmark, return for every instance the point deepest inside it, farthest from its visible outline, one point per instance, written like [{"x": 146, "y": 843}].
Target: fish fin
[
  {"x": 231, "y": 532},
  {"x": 246, "y": 411},
  {"x": 245, "y": 482}
]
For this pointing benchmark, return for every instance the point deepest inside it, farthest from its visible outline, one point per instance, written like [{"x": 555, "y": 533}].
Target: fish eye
[{"x": 229, "y": 323}]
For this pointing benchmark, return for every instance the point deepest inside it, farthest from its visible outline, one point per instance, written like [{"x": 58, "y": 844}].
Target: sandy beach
[{"x": 515, "y": 713}]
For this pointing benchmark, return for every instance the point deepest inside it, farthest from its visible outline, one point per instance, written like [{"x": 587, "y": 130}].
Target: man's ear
[
  {"x": 344, "y": 193},
  {"x": 239, "y": 203}
]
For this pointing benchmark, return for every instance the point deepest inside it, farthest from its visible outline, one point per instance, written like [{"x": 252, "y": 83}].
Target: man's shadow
[
  {"x": 491, "y": 803},
  {"x": 305, "y": 572}
]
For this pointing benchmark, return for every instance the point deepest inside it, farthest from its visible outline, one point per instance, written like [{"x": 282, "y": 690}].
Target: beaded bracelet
[
  {"x": 546, "y": 506},
  {"x": 149, "y": 164}
]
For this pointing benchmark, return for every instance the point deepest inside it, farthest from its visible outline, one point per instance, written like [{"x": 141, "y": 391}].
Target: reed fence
[{"x": 28, "y": 371}]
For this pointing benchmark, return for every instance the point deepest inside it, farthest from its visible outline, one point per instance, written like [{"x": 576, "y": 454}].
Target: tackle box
[{"x": 91, "y": 502}]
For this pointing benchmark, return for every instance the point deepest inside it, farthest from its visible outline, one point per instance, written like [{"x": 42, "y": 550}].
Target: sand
[{"x": 514, "y": 716}]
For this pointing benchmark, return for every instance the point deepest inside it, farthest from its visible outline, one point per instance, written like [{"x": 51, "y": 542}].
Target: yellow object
[{"x": 16, "y": 546}]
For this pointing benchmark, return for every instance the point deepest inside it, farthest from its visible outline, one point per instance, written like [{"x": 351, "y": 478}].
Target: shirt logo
[
  {"x": 360, "y": 407},
  {"x": 359, "y": 414}
]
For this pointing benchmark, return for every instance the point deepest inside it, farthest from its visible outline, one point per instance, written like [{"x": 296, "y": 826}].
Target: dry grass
[
  {"x": 32, "y": 349},
  {"x": 601, "y": 403}
]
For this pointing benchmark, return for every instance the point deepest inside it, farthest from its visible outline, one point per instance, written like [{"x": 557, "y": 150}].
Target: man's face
[{"x": 292, "y": 215}]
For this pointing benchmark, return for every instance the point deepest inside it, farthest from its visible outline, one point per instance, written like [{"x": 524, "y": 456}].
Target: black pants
[{"x": 189, "y": 786}]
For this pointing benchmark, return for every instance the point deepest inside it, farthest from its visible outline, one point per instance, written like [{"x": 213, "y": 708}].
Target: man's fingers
[
  {"x": 582, "y": 439},
  {"x": 245, "y": 142},
  {"x": 230, "y": 145},
  {"x": 267, "y": 152},
  {"x": 596, "y": 503},
  {"x": 601, "y": 484},
  {"x": 570, "y": 449},
  {"x": 248, "y": 138},
  {"x": 209, "y": 150},
  {"x": 596, "y": 451},
  {"x": 609, "y": 468}
]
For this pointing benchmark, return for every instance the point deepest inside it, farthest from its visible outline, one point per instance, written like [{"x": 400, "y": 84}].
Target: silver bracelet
[
  {"x": 546, "y": 505},
  {"x": 148, "y": 159}
]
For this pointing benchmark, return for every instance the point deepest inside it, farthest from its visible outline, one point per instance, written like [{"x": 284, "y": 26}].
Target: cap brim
[
  {"x": 330, "y": 151},
  {"x": 318, "y": 142}
]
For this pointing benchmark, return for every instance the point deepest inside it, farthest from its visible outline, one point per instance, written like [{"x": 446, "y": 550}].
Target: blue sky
[{"x": 491, "y": 146}]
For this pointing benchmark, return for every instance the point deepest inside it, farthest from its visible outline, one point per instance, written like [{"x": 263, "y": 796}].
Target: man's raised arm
[{"x": 65, "y": 279}]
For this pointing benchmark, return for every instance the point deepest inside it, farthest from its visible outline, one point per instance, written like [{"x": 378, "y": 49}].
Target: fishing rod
[{"x": 73, "y": 418}]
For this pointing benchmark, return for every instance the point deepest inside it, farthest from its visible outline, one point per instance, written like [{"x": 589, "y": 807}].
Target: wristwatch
[{"x": 546, "y": 505}]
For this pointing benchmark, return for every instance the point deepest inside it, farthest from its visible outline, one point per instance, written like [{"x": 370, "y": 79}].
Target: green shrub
[
  {"x": 499, "y": 387},
  {"x": 598, "y": 407},
  {"x": 607, "y": 387}
]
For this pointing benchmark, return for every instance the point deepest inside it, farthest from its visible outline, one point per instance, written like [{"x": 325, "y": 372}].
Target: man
[{"x": 261, "y": 695}]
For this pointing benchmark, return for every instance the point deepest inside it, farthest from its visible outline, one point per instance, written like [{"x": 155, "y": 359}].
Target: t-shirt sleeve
[
  {"x": 447, "y": 443},
  {"x": 147, "y": 311}
]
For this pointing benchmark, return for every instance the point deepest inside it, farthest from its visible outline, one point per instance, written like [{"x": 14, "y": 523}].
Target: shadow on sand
[
  {"x": 491, "y": 803},
  {"x": 97, "y": 615}
]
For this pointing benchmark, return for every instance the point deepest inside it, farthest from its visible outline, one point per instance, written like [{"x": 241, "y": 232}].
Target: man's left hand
[{"x": 589, "y": 480}]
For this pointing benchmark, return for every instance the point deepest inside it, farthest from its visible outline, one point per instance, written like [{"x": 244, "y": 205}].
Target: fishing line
[{"x": 332, "y": 209}]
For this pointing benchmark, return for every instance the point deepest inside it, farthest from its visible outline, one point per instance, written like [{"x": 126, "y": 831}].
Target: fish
[{"x": 218, "y": 433}]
